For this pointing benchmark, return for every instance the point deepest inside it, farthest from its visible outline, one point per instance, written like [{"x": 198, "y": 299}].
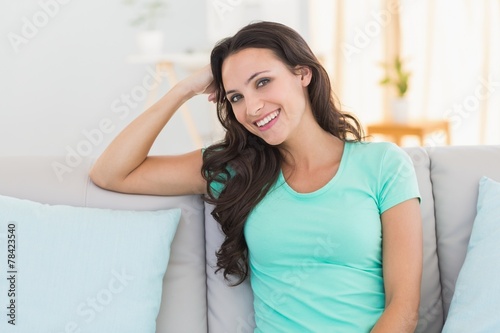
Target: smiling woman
[
  {"x": 306, "y": 207},
  {"x": 265, "y": 92}
]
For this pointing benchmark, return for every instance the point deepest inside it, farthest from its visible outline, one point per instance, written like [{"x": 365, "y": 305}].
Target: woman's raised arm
[{"x": 125, "y": 165}]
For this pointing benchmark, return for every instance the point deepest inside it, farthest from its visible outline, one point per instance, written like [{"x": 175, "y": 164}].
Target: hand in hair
[{"x": 201, "y": 82}]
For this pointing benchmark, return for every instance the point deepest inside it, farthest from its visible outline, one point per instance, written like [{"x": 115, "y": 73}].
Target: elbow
[
  {"x": 96, "y": 178},
  {"x": 413, "y": 312},
  {"x": 412, "y": 321},
  {"x": 105, "y": 179},
  {"x": 99, "y": 179},
  {"x": 407, "y": 312}
]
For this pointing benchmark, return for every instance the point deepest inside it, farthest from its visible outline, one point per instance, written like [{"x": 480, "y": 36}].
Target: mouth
[{"x": 267, "y": 119}]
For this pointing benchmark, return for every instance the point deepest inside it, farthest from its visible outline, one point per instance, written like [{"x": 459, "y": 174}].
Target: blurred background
[{"x": 74, "y": 73}]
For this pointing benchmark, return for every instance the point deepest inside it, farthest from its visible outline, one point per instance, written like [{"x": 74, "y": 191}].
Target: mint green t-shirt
[{"x": 316, "y": 258}]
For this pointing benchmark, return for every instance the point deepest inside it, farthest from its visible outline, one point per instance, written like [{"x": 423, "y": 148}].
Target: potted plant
[
  {"x": 148, "y": 13},
  {"x": 398, "y": 77}
]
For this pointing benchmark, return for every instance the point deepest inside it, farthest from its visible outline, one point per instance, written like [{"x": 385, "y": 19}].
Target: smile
[{"x": 267, "y": 119}]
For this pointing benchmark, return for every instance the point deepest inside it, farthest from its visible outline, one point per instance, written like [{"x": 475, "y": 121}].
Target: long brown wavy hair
[{"x": 244, "y": 165}]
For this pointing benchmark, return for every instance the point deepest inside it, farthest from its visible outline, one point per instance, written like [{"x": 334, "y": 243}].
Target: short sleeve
[
  {"x": 216, "y": 188},
  {"x": 397, "y": 180},
  {"x": 217, "y": 185}
]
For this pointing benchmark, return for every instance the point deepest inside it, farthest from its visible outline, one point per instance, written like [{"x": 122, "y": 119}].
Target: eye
[
  {"x": 235, "y": 98},
  {"x": 262, "y": 82}
]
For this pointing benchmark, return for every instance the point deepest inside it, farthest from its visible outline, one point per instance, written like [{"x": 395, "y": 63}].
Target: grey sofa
[{"x": 195, "y": 300}]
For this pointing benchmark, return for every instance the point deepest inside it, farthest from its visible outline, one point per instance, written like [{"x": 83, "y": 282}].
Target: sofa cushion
[
  {"x": 455, "y": 174},
  {"x": 431, "y": 307},
  {"x": 83, "y": 269},
  {"x": 230, "y": 308},
  {"x": 474, "y": 306}
]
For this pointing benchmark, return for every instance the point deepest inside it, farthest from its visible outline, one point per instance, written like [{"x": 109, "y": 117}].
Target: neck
[{"x": 309, "y": 148}]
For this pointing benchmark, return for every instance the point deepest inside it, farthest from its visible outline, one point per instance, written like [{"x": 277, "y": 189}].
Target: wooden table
[{"x": 420, "y": 129}]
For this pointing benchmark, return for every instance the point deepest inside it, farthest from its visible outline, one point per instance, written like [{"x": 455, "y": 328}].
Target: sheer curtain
[{"x": 451, "y": 47}]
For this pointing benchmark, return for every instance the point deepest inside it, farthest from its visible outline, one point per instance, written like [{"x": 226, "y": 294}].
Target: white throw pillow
[
  {"x": 475, "y": 306},
  {"x": 75, "y": 269}
]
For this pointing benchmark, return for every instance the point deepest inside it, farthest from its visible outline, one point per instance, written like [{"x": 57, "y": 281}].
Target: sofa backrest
[{"x": 183, "y": 307}]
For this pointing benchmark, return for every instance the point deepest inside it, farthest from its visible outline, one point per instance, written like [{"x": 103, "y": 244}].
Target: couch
[{"x": 196, "y": 300}]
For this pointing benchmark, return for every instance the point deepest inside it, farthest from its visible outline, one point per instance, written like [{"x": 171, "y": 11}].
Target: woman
[{"x": 326, "y": 226}]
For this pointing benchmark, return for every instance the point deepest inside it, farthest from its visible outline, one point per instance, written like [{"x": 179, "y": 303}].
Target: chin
[{"x": 273, "y": 142}]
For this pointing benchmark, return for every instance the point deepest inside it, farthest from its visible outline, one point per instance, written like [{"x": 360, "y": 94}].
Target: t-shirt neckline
[{"x": 343, "y": 160}]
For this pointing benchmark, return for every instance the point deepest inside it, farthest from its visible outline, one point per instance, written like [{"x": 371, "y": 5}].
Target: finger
[{"x": 211, "y": 97}]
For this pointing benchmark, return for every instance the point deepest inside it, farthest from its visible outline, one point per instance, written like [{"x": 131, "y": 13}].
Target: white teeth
[{"x": 267, "y": 119}]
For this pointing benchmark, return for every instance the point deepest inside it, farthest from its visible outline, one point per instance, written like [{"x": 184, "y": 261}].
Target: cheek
[{"x": 239, "y": 113}]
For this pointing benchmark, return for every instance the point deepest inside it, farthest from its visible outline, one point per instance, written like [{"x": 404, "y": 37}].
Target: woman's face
[{"x": 267, "y": 98}]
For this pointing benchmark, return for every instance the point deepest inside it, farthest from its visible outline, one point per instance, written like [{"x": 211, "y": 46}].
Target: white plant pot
[
  {"x": 150, "y": 42},
  {"x": 399, "y": 110}
]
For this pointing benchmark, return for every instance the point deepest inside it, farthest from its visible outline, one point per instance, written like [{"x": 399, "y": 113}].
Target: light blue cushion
[
  {"x": 475, "y": 306},
  {"x": 77, "y": 269}
]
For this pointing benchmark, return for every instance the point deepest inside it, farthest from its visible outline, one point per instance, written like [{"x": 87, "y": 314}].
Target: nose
[{"x": 254, "y": 105}]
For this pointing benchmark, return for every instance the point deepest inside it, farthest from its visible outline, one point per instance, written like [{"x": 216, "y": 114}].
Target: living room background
[{"x": 68, "y": 85}]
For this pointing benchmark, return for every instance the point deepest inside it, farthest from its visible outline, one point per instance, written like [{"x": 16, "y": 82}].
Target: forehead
[{"x": 242, "y": 64}]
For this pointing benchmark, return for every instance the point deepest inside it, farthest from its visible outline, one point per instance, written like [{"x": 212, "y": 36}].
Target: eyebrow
[{"x": 253, "y": 76}]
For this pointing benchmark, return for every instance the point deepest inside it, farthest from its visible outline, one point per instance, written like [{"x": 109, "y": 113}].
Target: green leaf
[
  {"x": 396, "y": 75},
  {"x": 138, "y": 21},
  {"x": 148, "y": 12}
]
